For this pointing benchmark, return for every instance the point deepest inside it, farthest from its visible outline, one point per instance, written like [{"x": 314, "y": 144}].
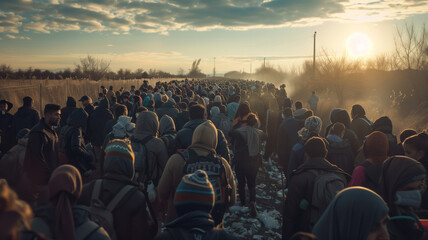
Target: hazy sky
[{"x": 168, "y": 35}]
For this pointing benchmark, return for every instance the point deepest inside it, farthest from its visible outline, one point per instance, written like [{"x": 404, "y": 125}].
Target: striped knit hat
[
  {"x": 194, "y": 193},
  {"x": 119, "y": 149}
]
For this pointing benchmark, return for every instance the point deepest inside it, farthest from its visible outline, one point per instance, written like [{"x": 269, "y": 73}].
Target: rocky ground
[{"x": 269, "y": 203}]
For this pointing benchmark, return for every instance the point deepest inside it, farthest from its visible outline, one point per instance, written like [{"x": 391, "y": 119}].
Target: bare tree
[
  {"x": 93, "y": 68},
  {"x": 5, "y": 71},
  {"x": 411, "y": 47}
]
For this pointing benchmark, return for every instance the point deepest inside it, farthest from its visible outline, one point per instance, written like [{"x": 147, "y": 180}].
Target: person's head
[
  {"x": 28, "y": 101},
  {"x": 110, "y": 88},
  {"x": 313, "y": 92},
  {"x": 342, "y": 116},
  {"x": 252, "y": 120},
  {"x": 357, "y": 111},
  {"x": 205, "y": 137},
  {"x": 52, "y": 114},
  {"x": 132, "y": 87},
  {"x": 376, "y": 147},
  {"x": 85, "y": 100},
  {"x": 308, "y": 113},
  {"x": 243, "y": 110},
  {"x": 402, "y": 181},
  {"x": 166, "y": 125},
  {"x": 217, "y": 99},
  {"x": 214, "y": 111},
  {"x": 237, "y": 98},
  {"x": 288, "y": 112},
  {"x": 120, "y": 110},
  {"x": 416, "y": 146},
  {"x": 298, "y": 105},
  {"x": 177, "y": 99},
  {"x": 194, "y": 193},
  {"x": 147, "y": 125},
  {"x": 222, "y": 109},
  {"x": 383, "y": 124},
  {"x": 65, "y": 188},
  {"x": 315, "y": 148},
  {"x": 113, "y": 100},
  {"x": 197, "y": 111},
  {"x": 101, "y": 95},
  {"x": 287, "y": 103},
  {"x": 125, "y": 98},
  {"x": 139, "y": 110},
  {"x": 312, "y": 127},
  {"x": 182, "y": 106},
  {"x": 4, "y": 106},
  {"x": 369, "y": 216},
  {"x": 407, "y": 133},
  {"x": 338, "y": 129},
  {"x": 119, "y": 158},
  {"x": 164, "y": 98}
]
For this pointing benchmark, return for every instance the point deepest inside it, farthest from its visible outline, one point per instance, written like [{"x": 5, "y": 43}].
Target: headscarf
[
  {"x": 65, "y": 187},
  {"x": 312, "y": 128},
  {"x": 397, "y": 172},
  {"x": 147, "y": 125},
  {"x": 352, "y": 215},
  {"x": 376, "y": 147}
]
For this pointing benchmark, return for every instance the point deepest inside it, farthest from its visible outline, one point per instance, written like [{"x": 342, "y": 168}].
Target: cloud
[
  {"x": 10, "y": 36},
  {"x": 161, "y": 16},
  {"x": 109, "y": 45}
]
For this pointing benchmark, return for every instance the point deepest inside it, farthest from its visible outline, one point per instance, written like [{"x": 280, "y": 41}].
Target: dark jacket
[
  {"x": 246, "y": 148},
  {"x": 131, "y": 218},
  {"x": 80, "y": 216},
  {"x": 184, "y": 138},
  {"x": 97, "y": 121},
  {"x": 287, "y": 137},
  {"x": 89, "y": 109},
  {"x": 26, "y": 117},
  {"x": 167, "y": 108},
  {"x": 181, "y": 228},
  {"x": 41, "y": 156},
  {"x": 180, "y": 119},
  {"x": 66, "y": 112},
  {"x": 362, "y": 127},
  {"x": 72, "y": 143},
  {"x": 167, "y": 133},
  {"x": 109, "y": 126},
  {"x": 7, "y": 130},
  {"x": 340, "y": 154},
  {"x": 11, "y": 163},
  {"x": 301, "y": 187}
]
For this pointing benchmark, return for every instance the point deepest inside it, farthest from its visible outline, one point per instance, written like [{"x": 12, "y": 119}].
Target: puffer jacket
[
  {"x": 97, "y": 121},
  {"x": 11, "y": 163},
  {"x": 131, "y": 218},
  {"x": 184, "y": 138},
  {"x": 148, "y": 125}
]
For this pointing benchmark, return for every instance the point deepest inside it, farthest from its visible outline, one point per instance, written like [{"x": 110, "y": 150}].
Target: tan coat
[{"x": 204, "y": 141}]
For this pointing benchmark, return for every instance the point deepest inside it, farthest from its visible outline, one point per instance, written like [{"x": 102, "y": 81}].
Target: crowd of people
[{"x": 167, "y": 161}]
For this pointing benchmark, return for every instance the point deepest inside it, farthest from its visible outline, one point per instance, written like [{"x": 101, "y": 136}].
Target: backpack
[
  {"x": 340, "y": 154},
  {"x": 141, "y": 160},
  {"x": 214, "y": 167},
  {"x": 102, "y": 214},
  {"x": 327, "y": 184},
  {"x": 225, "y": 126},
  {"x": 169, "y": 141},
  {"x": 372, "y": 175}
]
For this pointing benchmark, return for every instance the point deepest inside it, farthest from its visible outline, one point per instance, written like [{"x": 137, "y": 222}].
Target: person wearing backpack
[
  {"x": 247, "y": 159},
  {"x": 64, "y": 219},
  {"x": 360, "y": 124},
  {"x": 339, "y": 149},
  {"x": 72, "y": 149},
  {"x": 200, "y": 153},
  {"x": 115, "y": 200},
  {"x": 311, "y": 188},
  {"x": 151, "y": 154},
  {"x": 375, "y": 149},
  {"x": 167, "y": 133},
  {"x": 194, "y": 200},
  {"x": 384, "y": 124},
  {"x": 287, "y": 138}
]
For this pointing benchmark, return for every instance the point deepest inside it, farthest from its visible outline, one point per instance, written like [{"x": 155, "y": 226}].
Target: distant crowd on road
[{"x": 167, "y": 161}]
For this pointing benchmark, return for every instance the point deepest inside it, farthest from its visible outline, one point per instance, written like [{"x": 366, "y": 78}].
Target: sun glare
[{"x": 358, "y": 45}]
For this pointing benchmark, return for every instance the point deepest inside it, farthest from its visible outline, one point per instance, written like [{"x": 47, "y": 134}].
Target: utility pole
[
  {"x": 251, "y": 68},
  {"x": 264, "y": 62},
  {"x": 314, "y": 66},
  {"x": 214, "y": 68}
]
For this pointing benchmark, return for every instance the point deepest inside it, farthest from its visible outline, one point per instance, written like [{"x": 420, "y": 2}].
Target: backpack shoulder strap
[
  {"x": 96, "y": 191},
  {"x": 86, "y": 229},
  {"x": 116, "y": 200},
  {"x": 40, "y": 225}
]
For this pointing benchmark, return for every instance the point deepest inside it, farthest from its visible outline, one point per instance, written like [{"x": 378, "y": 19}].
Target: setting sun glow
[{"x": 358, "y": 45}]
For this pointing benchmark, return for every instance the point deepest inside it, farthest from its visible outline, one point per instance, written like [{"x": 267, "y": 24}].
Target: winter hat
[
  {"x": 312, "y": 126},
  {"x": 300, "y": 113},
  {"x": 376, "y": 147},
  {"x": 315, "y": 147},
  {"x": 383, "y": 124},
  {"x": 123, "y": 127},
  {"x": 119, "y": 158},
  {"x": 214, "y": 111},
  {"x": 194, "y": 193},
  {"x": 217, "y": 99},
  {"x": 207, "y": 101}
]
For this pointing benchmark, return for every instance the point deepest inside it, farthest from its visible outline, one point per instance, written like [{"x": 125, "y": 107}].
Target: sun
[{"x": 359, "y": 45}]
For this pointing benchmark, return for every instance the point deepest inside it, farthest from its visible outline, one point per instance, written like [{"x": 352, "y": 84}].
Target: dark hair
[
  {"x": 182, "y": 105},
  {"x": 237, "y": 98},
  {"x": 357, "y": 111},
  {"x": 315, "y": 147},
  {"x": 191, "y": 104},
  {"x": 342, "y": 116},
  {"x": 113, "y": 99},
  {"x": 308, "y": 113},
  {"x": 337, "y": 129},
  {"x": 177, "y": 99},
  {"x": 288, "y": 112},
  {"x": 197, "y": 111},
  {"x": 27, "y": 101},
  {"x": 252, "y": 119},
  {"x": 222, "y": 108},
  {"x": 141, "y": 109},
  {"x": 419, "y": 142},
  {"x": 100, "y": 94},
  {"x": 51, "y": 108},
  {"x": 120, "y": 110},
  {"x": 298, "y": 105},
  {"x": 407, "y": 133},
  {"x": 243, "y": 110},
  {"x": 111, "y": 88}
]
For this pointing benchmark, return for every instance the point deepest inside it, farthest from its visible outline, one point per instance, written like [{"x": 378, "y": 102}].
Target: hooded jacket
[
  {"x": 148, "y": 125},
  {"x": 342, "y": 116},
  {"x": 131, "y": 218},
  {"x": 362, "y": 127},
  {"x": 167, "y": 108},
  {"x": 66, "y": 112},
  {"x": 71, "y": 139},
  {"x": 287, "y": 137},
  {"x": 26, "y": 117},
  {"x": 204, "y": 142},
  {"x": 7, "y": 129},
  {"x": 184, "y": 138},
  {"x": 333, "y": 120},
  {"x": 167, "y": 133},
  {"x": 301, "y": 187},
  {"x": 97, "y": 121},
  {"x": 181, "y": 119},
  {"x": 181, "y": 227},
  {"x": 340, "y": 153}
]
